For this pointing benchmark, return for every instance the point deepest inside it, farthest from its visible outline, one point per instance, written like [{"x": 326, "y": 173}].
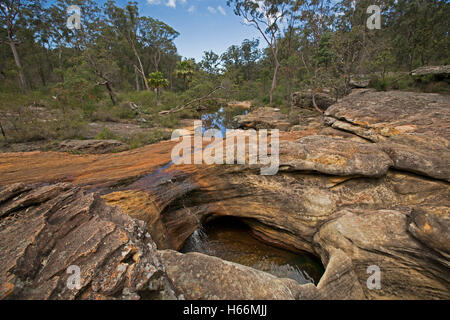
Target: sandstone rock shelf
[{"x": 374, "y": 191}]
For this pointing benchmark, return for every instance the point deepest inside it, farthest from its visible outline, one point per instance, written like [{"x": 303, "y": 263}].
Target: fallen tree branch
[
  {"x": 313, "y": 94},
  {"x": 177, "y": 109}
]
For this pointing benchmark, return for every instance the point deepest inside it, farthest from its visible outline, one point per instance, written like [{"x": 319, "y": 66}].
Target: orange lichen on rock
[{"x": 137, "y": 204}]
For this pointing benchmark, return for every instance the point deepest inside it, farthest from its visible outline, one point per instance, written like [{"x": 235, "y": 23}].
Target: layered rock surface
[
  {"x": 358, "y": 194},
  {"x": 412, "y": 128},
  {"x": 264, "y": 118},
  {"x": 46, "y": 231}
]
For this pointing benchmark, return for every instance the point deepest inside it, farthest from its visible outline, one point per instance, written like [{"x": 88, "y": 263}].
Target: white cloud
[
  {"x": 171, "y": 3},
  {"x": 212, "y": 10},
  {"x": 191, "y": 9},
  {"x": 221, "y": 10}
]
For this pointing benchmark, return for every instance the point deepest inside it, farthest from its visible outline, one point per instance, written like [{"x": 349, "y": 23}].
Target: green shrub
[
  {"x": 106, "y": 134},
  {"x": 141, "y": 139},
  {"x": 381, "y": 85}
]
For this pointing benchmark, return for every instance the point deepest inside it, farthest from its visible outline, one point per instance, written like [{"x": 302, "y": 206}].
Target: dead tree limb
[
  {"x": 313, "y": 94},
  {"x": 177, "y": 109}
]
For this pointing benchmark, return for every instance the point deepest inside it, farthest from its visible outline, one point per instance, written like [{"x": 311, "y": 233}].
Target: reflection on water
[
  {"x": 222, "y": 119},
  {"x": 231, "y": 240}
]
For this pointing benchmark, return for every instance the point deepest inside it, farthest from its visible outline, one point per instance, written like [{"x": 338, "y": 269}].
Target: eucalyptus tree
[
  {"x": 94, "y": 41},
  {"x": 420, "y": 31},
  {"x": 15, "y": 14},
  {"x": 125, "y": 22},
  {"x": 249, "y": 56},
  {"x": 210, "y": 62},
  {"x": 157, "y": 38},
  {"x": 232, "y": 62},
  {"x": 267, "y": 16},
  {"x": 315, "y": 22}
]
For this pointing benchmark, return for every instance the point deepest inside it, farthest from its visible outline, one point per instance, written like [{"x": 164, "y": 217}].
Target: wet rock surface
[{"x": 371, "y": 189}]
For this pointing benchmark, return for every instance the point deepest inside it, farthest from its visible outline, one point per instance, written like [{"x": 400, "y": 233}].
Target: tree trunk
[
  {"x": 111, "y": 92},
  {"x": 156, "y": 96},
  {"x": 17, "y": 60},
  {"x": 274, "y": 80},
  {"x": 290, "y": 91},
  {"x": 60, "y": 65},
  {"x": 3, "y": 131},
  {"x": 141, "y": 68},
  {"x": 138, "y": 87},
  {"x": 314, "y": 102}
]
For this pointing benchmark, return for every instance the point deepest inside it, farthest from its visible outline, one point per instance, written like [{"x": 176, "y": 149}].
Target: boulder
[
  {"x": 359, "y": 81},
  {"x": 239, "y": 104},
  {"x": 379, "y": 238},
  {"x": 49, "y": 233},
  {"x": 92, "y": 146},
  {"x": 432, "y": 70},
  {"x": 264, "y": 118},
  {"x": 198, "y": 276},
  {"x": 303, "y": 99}
]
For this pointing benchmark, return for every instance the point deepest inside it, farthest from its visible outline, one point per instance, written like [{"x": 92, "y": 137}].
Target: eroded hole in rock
[{"x": 229, "y": 238}]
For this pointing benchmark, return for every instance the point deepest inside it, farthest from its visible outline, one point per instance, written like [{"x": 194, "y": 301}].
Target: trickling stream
[
  {"x": 230, "y": 239},
  {"x": 222, "y": 119}
]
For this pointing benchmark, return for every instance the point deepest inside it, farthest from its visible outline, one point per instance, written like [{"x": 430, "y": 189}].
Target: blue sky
[{"x": 203, "y": 24}]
